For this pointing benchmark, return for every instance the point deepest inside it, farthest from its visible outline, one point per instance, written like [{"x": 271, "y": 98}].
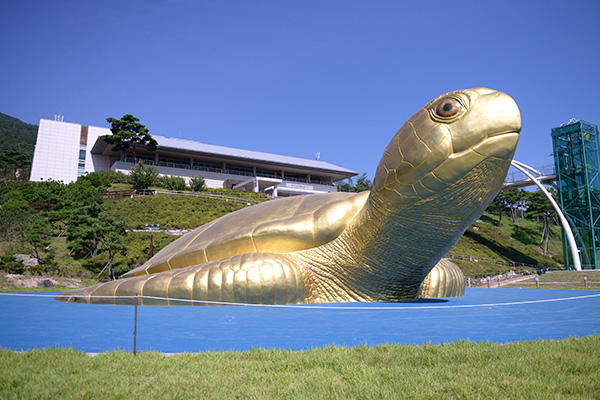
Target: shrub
[
  {"x": 104, "y": 178},
  {"x": 120, "y": 269},
  {"x": 173, "y": 182},
  {"x": 230, "y": 192},
  {"x": 197, "y": 183},
  {"x": 9, "y": 265}
]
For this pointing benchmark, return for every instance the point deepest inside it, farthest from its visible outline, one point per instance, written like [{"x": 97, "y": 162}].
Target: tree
[
  {"x": 345, "y": 185},
  {"x": 197, "y": 183},
  {"x": 15, "y": 163},
  {"x": 128, "y": 133},
  {"x": 362, "y": 183},
  {"x": 91, "y": 230},
  {"x": 44, "y": 195},
  {"x": 540, "y": 206},
  {"x": 112, "y": 239},
  {"x": 524, "y": 199},
  {"x": 512, "y": 198},
  {"x": 84, "y": 225},
  {"x": 142, "y": 177},
  {"x": 36, "y": 235},
  {"x": 23, "y": 217}
]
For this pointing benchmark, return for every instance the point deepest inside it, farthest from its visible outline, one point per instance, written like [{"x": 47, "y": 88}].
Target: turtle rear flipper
[{"x": 445, "y": 280}]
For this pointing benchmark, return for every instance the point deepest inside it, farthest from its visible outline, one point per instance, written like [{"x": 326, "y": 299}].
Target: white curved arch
[{"x": 571, "y": 239}]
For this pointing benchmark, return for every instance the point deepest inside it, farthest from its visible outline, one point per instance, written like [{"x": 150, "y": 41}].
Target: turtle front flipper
[
  {"x": 253, "y": 278},
  {"x": 445, "y": 280}
]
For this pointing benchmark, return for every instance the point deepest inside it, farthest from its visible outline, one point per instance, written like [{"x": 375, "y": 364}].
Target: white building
[{"x": 65, "y": 151}]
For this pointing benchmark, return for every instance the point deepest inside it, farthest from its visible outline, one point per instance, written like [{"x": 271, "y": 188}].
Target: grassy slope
[
  {"x": 517, "y": 242},
  {"x": 562, "y": 369},
  {"x": 170, "y": 211}
]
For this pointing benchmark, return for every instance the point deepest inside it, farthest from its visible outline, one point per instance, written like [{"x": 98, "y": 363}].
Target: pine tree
[{"x": 128, "y": 133}]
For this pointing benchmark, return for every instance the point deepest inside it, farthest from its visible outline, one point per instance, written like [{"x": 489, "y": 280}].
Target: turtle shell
[{"x": 277, "y": 226}]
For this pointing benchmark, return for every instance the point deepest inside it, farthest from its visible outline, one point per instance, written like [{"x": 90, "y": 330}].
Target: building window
[
  {"x": 147, "y": 160},
  {"x": 289, "y": 176},
  {"x": 268, "y": 174},
  {"x": 239, "y": 171},
  {"x": 209, "y": 167},
  {"x": 81, "y": 163},
  {"x": 173, "y": 163}
]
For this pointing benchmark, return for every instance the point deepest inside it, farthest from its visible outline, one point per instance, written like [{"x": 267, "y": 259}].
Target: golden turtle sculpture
[{"x": 436, "y": 177}]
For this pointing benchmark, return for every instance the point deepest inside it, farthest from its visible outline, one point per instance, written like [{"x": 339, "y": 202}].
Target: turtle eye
[{"x": 448, "y": 108}]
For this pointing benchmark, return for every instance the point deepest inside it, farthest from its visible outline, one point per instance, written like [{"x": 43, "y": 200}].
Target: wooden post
[
  {"x": 537, "y": 281},
  {"x": 585, "y": 281}
]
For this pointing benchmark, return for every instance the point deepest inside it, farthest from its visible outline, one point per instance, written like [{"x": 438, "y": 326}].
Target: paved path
[{"x": 504, "y": 282}]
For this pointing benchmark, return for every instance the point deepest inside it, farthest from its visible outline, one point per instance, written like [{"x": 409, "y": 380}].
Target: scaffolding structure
[{"x": 577, "y": 164}]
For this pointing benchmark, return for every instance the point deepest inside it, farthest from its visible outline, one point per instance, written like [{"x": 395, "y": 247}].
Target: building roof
[
  {"x": 193, "y": 147},
  {"x": 230, "y": 152}
]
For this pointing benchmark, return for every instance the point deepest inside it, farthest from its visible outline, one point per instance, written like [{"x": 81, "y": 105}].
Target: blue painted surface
[{"x": 497, "y": 315}]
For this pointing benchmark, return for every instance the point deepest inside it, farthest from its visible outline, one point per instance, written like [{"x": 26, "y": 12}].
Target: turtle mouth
[
  {"x": 506, "y": 132},
  {"x": 498, "y": 145}
]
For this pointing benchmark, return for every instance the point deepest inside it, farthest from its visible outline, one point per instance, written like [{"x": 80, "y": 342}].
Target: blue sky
[{"x": 297, "y": 77}]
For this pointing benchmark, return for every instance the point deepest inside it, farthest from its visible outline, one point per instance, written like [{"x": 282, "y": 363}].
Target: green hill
[
  {"x": 17, "y": 141},
  {"x": 493, "y": 249},
  {"x": 14, "y": 132}
]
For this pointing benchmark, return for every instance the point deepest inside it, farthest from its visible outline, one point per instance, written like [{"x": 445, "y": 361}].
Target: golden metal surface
[
  {"x": 445, "y": 280},
  {"x": 436, "y": 177}
]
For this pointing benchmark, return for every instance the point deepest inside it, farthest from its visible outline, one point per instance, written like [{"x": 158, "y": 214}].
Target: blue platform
[{"x": 498, "y": 315}]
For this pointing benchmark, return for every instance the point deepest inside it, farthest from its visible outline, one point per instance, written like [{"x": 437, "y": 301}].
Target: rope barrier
[{"x": 340, "y": 308}]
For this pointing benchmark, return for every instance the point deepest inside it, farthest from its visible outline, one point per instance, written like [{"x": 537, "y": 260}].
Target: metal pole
[
  {"x": 151, "y": 242},
  {"x": 135, "y": 325},
  {"x": 570, "y": 238}
]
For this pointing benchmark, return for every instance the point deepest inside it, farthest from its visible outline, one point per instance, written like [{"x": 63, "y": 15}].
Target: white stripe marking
[{"x": 318, "y": 307}]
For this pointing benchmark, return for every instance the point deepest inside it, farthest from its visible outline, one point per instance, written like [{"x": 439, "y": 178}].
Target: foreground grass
[{"x": 541, "y": 369}]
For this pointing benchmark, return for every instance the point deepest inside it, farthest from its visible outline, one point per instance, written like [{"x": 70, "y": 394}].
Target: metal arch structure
[{"x": 574, "y": 251}]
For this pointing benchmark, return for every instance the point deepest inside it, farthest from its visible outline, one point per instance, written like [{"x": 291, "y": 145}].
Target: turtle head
[{"x": 464, "y": 134}]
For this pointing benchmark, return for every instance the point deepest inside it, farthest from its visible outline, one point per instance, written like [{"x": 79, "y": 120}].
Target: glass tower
[{"x": 577, "y": 163}]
